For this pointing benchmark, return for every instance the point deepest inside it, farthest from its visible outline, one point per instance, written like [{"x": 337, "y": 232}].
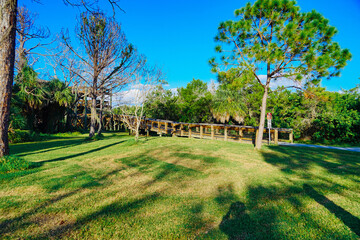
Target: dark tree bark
[{"x": 7, "y": 58}]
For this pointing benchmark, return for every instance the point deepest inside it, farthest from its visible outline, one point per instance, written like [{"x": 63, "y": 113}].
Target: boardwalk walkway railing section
[{"x": 223, "y": 132}]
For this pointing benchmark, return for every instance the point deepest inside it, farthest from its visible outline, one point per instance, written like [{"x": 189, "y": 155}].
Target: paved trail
[{"x": 352, "y": 149}]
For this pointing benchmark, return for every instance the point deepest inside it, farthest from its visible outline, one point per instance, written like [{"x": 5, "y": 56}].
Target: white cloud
[
  {"x": 213, "y": 86},
  {"x": 174, "y": 91},
  {"x": 133, "y": 96},
  {"x": 282, "y": 82}
]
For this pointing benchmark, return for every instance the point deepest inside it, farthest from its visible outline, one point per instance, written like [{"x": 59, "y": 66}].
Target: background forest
[{"x": 315, "y": 114}]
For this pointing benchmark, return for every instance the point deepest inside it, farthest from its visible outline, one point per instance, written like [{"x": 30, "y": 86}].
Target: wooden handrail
[{"x": 177, "y": 129}]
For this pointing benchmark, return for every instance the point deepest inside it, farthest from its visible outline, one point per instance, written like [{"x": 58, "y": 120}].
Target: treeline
[{"x": 315, "y": 114}]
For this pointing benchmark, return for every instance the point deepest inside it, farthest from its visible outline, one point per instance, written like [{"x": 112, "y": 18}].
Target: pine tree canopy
[{"x": 274, "y": 37}]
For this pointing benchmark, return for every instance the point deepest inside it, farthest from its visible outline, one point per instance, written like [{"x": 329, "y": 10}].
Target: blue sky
[{"x": 178, "y": 35}]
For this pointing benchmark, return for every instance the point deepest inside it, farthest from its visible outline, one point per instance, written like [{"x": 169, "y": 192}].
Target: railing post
[
  {"x": 291, "y": 136},
  {"x": 159, "y": 127},
  {"x": 212, "y": 132},
  {"x": 166, "y": 128},
  {"x": 181, "y": 130},
  {"x": 240, "y": 134},
  {"x": 276, "y": 138},
  {"x": 189, "y": 131},
  {"x": 173, "y": 130},
  {"x": 201, "y": 132},
  {"x": 225, "y": 133}
]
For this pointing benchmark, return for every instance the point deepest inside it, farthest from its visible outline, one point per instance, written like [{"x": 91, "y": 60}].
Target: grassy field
[{"x": 175, "y": 188}]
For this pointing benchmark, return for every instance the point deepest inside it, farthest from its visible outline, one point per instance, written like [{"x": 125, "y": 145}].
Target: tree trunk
[
  {"x": 85, "y": 109},
  {"x": 137, "y": 134},
  {"x": 101, "y": 115},
  {"x": 93, "y": 117},
  {"x": 259, "y": 137},
  {"x": 8, "y": 10}
]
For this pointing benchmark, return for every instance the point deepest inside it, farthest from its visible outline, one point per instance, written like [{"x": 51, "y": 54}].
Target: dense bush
[
  {"x": 19, "y": 136},
  {"x": 13, "y": 163}
]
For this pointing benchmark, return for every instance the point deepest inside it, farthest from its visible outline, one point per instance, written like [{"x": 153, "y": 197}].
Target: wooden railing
[{"x": 236, "y": 133}]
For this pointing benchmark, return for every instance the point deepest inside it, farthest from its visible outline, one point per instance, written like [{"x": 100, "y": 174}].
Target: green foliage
[
  {"x": 238, "y": 98},
  {"x": 162, "y": 104},
  {"x": 317, "y": 114},
  {"x": 341, "y": 120},
  {"x": 274, "y": 39},
  {"x": 17, "y": 118},
  {"x": 39, "y": 105},
  {"x": 191, "y": 104},
  {"x": 12, "y": 163},
  {"x": 130, "y": 110},
  {"x": 194, "y": 102},
  {"x": 59, "y": 93},
  {"x": 19, "y": 136},
  {"x": 290, "y": 43},
  {"x": 28, "y": 88}
]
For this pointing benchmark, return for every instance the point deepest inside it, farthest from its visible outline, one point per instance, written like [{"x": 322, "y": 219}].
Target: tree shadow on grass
[
  {"x": 291, "y": 159},
  {"x": 35, "y": 166},
  {"x": 160, "y": 170},
  {"x": 81, "y": 154},
  {"x": 13, "y": 224},
  {"x": 237, "y": 224},
  {"x": 206, "y": 159},
  {"x": 108, "y": 213},
  {"x": 52, "y": 144},
  {"x": 25, "y": 149},
  {"x": 347, "y": 218},
  {"x": 277, "y": 211},
  {"x": 26, "y": 218},
  {"x": 246, "y": 222}
]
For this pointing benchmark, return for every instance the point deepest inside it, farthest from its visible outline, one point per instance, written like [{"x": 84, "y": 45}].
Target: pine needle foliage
[{"x": 273, "y": 38}]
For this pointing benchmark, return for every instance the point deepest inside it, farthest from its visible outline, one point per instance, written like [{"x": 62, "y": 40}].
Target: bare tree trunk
[
  {"x": 259, "y": 137},
  {"x": 137, "y": 134},
  {"x": 101, "y": 114},
  {"x": 93, "y": 117},
  {"x": 85, "y": 109},
  {"x": 8, "y": 10}
]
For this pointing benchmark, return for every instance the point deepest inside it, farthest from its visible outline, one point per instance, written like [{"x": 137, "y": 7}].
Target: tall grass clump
[{"x": 12, "y": 164}]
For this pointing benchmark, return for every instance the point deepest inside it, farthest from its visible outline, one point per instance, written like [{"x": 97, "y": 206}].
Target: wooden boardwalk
[{"x": 224, "y": 132}]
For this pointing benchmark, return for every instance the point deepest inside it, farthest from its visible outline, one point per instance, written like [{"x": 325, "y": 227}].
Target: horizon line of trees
[{"x": 315, "y": 114}]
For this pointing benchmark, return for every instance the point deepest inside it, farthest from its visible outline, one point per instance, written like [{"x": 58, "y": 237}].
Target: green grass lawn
[{"x": 178, "y": 188}]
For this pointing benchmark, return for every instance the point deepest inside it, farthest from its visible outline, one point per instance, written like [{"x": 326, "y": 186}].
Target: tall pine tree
[{"x": 273, "y": 38}]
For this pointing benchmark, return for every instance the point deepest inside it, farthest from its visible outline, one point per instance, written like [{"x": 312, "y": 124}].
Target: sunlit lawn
[{"x": 176, "y": 188}]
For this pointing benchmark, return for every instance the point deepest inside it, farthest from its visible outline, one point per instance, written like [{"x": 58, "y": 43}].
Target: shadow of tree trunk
[{"x": 347, "y": 218}]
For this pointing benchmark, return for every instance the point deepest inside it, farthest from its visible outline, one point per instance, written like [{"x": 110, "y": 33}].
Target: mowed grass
[{"x": 178, "y": 188}]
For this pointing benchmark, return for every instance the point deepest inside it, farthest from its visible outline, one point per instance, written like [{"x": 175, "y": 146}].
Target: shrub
[
  {"x": 19, "y": 136},
  {"x": 12, "y": 164}
]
